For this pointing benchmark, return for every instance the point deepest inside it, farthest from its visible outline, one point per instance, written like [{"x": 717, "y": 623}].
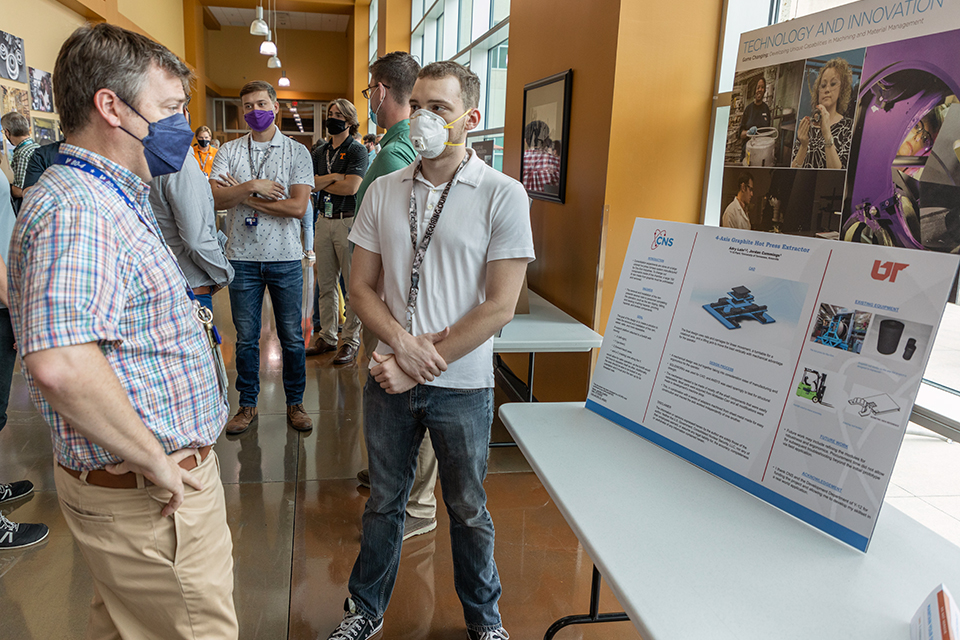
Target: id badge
[
  {"x": 327, "y": 207},
  {"x": 250, "y": 221}
]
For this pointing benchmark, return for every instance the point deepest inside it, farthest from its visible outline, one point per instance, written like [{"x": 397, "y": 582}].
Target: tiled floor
[{"x": 294, "y": 510}]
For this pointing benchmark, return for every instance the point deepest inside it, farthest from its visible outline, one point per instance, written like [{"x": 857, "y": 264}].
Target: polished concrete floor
[{"x": 294, "y": 509}]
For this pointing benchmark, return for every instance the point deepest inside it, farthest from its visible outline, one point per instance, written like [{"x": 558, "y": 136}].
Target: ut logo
[
  {"x": 343, "y": 155},
  {"x": 660, "y": 239},
  {"x": 887, "y": 270}
]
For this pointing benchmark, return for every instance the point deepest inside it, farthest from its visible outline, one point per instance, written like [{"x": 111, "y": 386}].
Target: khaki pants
[
  {"x": 333, "y": 258},
  {"x": 154, "y": 578},
  {"x": 423, "y": 498}
]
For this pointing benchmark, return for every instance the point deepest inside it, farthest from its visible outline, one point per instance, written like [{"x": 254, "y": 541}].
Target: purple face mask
[{"x": 259, "y": 120}]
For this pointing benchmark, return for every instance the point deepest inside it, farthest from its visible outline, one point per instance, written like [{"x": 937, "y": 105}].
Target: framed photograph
[
  {"x": 41, "y": 90},
  {"x": 546, "y": 129}
]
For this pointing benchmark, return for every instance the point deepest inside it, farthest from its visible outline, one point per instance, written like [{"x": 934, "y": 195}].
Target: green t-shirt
[{"x": 396, "y": 152}]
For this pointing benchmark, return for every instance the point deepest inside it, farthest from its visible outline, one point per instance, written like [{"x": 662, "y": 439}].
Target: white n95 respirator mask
[{"x": 428, "y": 133}]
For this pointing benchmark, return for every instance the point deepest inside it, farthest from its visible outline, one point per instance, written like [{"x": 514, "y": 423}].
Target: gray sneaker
[
  {"x": 354, "y": 626},
  {"x": 16, "y": 535},
  {"x": 15, "y": 490},
  {"x": 495, "y": 634},
  {"x": 417, "y": 526}
]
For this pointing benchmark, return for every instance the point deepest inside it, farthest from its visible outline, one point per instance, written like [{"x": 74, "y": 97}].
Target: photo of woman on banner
[{"x": 823, "y": 138}]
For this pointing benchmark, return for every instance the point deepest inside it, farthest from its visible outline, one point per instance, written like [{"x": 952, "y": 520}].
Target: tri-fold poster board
[{"x": 787, "y": 366}]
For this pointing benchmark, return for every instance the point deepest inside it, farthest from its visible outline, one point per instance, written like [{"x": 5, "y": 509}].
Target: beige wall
[
  {"x": 320, "y": 64},
  {"x": 43, "y": 25},
  {"x": 161, "y": 19}
]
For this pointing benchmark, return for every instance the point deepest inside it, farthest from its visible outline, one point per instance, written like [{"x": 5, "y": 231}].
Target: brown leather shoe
[
  {"x": 297, "y": 418},
  {"x": 319, "y": 347},
  {"x": 242, "y": 421},
  {"x": 346, "y": 354}
]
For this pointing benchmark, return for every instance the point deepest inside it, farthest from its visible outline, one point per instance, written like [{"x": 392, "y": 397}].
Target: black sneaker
[
  {"x": 354, "y": 626},
  {"x": 15, "y": 490},
  {"x": 495, "y": 634},
  {"x": 16, "y": 535}
]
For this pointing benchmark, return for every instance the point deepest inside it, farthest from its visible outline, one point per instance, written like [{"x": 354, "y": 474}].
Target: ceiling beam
[
  {"x": 210, "y": 21},
  {"x": 306, "y": 6}
]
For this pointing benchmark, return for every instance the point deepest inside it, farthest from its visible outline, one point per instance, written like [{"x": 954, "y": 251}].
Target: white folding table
[{"x": 691, "y": 556}]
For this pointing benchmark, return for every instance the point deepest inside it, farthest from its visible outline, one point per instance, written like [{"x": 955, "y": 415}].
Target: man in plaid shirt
[
  {"x": 17, "y": 130},
  {"x": 113, "y": 353}
]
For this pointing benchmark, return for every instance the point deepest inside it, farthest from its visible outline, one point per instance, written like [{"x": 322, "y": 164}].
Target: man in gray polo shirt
[{"x": 265, "y": 179}]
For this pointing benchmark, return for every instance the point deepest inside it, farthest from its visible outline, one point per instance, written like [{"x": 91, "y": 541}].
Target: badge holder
[{"x": 205, "y": 317}]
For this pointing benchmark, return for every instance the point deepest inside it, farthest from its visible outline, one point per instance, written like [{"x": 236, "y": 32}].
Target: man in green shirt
[{"x": 391, "y": 82}]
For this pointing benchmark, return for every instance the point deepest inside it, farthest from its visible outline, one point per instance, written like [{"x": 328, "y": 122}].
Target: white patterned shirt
[{"x": 273, "y": 239}]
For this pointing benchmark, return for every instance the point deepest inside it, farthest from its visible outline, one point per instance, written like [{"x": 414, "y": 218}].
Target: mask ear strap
[{"x": 458, "y": 119}]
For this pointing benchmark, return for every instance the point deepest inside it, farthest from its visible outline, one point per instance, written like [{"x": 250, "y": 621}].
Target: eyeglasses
[{"x": 366, "y": 92}]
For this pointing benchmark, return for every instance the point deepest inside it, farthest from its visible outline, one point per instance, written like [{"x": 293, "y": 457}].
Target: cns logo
[
  {"x": 660, "y": 239},
  {"x": 887, "y": 270}
]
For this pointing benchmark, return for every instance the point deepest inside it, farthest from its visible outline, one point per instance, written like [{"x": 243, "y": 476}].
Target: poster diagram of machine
[
  {"x": 841, "y": 328},
  {"x": 739, "y": 306},
  {"x": 873, "y": 406}
]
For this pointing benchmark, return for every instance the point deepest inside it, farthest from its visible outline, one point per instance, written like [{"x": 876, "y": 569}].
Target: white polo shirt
[
  {"x": 486, "y": 217},
  {"x": 273, "y": 239}
]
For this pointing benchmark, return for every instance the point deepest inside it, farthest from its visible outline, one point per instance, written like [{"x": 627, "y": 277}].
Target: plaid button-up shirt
[
  {"x": 85, "y": 267},
  {"x": 21, "y": 160}
]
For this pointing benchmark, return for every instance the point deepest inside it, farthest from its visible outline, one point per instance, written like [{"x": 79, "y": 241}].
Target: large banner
[
  {"x": 843, "y": 124},
  {"x": 787, "y": 366}
]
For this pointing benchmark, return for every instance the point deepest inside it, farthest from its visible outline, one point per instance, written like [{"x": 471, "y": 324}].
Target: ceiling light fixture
[
  {"x": 258, "y": 27},
  {"x": 274, "y": 62},
  {"x": 268, "y": 47},
  {"x": 284, "y": 81}
]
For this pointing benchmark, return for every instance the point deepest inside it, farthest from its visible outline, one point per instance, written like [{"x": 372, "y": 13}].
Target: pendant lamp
[
  {"x": 258, "y": 27},
  {"x": 268, "y": 47}
]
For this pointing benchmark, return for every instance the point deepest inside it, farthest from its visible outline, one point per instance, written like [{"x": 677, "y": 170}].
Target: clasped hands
[
  {"x": 415, "y": 361},
  {"x": 266, "y": 189}
]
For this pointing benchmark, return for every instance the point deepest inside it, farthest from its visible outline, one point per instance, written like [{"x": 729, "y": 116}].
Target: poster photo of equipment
[
  {"x": 841, "y": 328},
  {"x": 14, "y": 99},
  {"x": 903, "y": 188},
  {"x": 46, "y": 130},
  {"x": 546, "y": 128},
  {"x": 41, "y": 90},
  {"x": 13, "y": 65}
]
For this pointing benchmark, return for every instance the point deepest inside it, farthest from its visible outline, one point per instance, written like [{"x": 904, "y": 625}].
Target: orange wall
[
  {"x": 660, "y": 126},
  {"x": 315, "y": 61},
  {"x": 547, "y": 37}
]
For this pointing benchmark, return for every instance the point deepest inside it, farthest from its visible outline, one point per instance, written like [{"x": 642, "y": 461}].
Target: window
[{"x": 475, "y": 34}]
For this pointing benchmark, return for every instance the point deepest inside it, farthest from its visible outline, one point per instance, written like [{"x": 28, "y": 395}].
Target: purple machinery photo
[{"x": 889, "y": 200}]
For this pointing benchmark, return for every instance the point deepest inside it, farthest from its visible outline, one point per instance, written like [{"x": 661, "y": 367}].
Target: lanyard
[
  {"x": 107, "y": 181},
  {"x": 420, "y": 251},
  {"x": 328, "y": 159},
  {"x": 266, "y": 154}
]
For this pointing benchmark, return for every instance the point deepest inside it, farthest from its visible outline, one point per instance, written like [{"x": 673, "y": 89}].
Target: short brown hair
[
  {"x": 105, "y": 56},
  {"x": 349, "y": 113},
  {"x": 203, "y": 129},
  {"x": 16, "y": 124},
  {"x": 397, "y": 70},
  {"x": 469, "y": 82},
  {"x": 259, "y": 85}
]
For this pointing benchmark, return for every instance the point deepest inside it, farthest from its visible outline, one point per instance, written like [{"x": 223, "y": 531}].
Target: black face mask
[
  {"x": 203, "y": 143},
  {"x": 335, "y": 126}
]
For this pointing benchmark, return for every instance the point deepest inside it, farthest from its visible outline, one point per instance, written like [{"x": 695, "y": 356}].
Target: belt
[
  {"x": 203, "y": 291},
  {"x": 338, "y": 215},
  {"x": 129, "y": 480}
]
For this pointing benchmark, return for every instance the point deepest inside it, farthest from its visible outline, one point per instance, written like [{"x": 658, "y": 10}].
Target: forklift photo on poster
[{"x": 846, "y": 123}]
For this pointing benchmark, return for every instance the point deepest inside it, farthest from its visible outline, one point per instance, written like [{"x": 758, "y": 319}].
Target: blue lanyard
[{"x": 107, "y": 181}]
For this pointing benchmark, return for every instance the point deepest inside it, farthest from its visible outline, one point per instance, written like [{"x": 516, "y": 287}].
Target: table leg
[
  {"x": 530, "y": 378},
  {"x": 590, "y": 618}
]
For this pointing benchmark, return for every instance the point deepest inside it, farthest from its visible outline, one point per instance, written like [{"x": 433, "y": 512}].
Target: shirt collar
[
  {"x": 24, "y": 142},
  {"x": 275, "y": 141},
  {"x": 127, "y": 180},
  {"x": 396, "y": 131},
  {"x": 472, "y": 172}
]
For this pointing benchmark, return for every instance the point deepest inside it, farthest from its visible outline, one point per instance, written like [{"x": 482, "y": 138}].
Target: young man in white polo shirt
[
  {"x": 265, "y": 179},
  {"x": 433, "y": 367}
]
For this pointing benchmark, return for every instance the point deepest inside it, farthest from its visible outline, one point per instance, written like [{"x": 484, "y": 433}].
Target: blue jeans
[
  {"x": 284, "y": 280},
  {"x": 8, "y": 358},
  {"x": 459, "y": 423}
]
